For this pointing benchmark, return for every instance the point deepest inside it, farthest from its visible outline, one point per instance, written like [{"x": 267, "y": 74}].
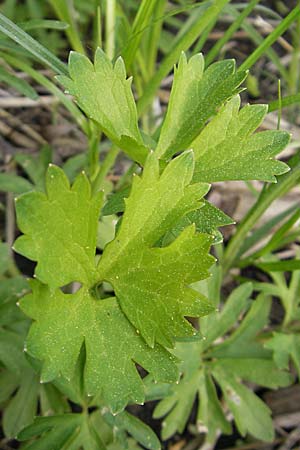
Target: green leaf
[
  {"x": 210, "y": 416},
  {"x": 280, "y": 266},
  {"x": 60, "y": 234},
  {"x": 285, "y": 347},
  {"x": 34, "y": 47},
  {"x": 36, "y": 167},
  {"x": 55, "y": 431},
  {"x": 43, "y": 23},
  {"x": 63, "y": 257},
  {"x": 250, "y": 413},
  {"x": 195, "y": 97},
  {"x": 8, "y": 384},
  {"x": 116, "y": 202},
  {"x": 64, "y": 321},
  {"x": 4, "y": 258},
  {"x": 51, "y": 401},
  {"x": 179, "y": 405},
  {"x": 13, "y": 183},
  {"x": 227, "y": 149},
  {"x": 20, "y": 85},
  {"x": 207, "y": 220},
  {"x": 141, "y": 432},
  {"x": 262, "y": 372},
  {"x": 234, "y": 306},
  {"x": 105, "y": 95},
  {"x": 242, "y": 342},
  {"x": 158, "y": 278},
  {"x": 23, "y": 406}
]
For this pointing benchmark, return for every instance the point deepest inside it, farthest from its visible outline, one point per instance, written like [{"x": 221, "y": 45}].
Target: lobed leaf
[
  {"x": 227, "y": 149},
  {"x": 60, "y": 229},
  {"x": 105, "y": 95},
  {"x": 285, "y": 347},
  {"x": 63, "y": 322},
  {"x": 195, "y": 97},
  {"x": 250, "y": 413},
  {"x": 151, "y": 283}
]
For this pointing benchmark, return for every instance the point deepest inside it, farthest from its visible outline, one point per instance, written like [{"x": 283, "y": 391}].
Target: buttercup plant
[{"x": 127, "y": 303}]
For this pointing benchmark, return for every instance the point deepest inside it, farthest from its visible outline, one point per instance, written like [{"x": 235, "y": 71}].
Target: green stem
[
  {"x": 105, "y": 168},
  {"x": 267, "y": 196},
  {"x": 110, "y": 28}
]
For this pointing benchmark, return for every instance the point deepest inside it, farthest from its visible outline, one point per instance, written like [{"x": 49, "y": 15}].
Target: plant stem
[
  {"x": 105, "y": 168},
  {"x": 110, "y": 28}
]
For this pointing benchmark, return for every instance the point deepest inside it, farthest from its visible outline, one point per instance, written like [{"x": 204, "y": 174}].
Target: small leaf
[
  {"x": 234, "y": 306},
  {"x": 195, "y": 97},
  {"x": 23, "y": 406},
  {"x": 62, "y": 257},
  {"x": 262, "y": 372},
  {"x": 105, "y": 95},
  {"x": 13, "y": 183},
  {"x": 207, "y": 219},
  {"x": 285, "y": 347},
  {"x": 141, "y": 432},
  {"x": 210, "y": 416},
  {"x": 250, "y": 413},
  {"x": 55, "y": 431},
  {"x": 20, "y": 85},
  {"x": 227, "y": 149}
]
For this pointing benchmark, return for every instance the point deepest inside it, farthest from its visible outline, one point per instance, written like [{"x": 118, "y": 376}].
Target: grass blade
[
  {"x": 15, "y": 33},
  {"x": 278, "y": 31}
]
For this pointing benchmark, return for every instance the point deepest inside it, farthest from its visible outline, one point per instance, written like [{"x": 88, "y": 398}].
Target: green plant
[{"x": 119, "y": 270}]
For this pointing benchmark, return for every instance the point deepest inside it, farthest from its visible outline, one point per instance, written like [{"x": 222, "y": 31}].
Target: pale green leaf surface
[
  {"x": 64, "y": 321},
  {"x": 227, "y": 149},
  {"x": 60, "y": 229},
  {"x": 195, "y": 97},
  {"x": 105, "y": 95},
  {"x": 250, "y": 413},
  {"x": 285, "y": 347},
  {"x": 151, "y": 284}
]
